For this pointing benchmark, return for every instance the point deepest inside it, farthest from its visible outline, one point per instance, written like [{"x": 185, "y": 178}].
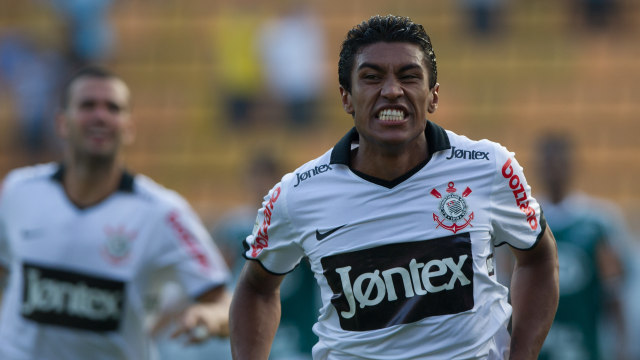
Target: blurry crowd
[
  {"x": 272, "y": 67},
  {"x": 33, "y": 70},
  {"x": 286, "y": 55}
]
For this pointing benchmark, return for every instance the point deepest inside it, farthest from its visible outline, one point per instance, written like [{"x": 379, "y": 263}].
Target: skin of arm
[
  {"x": 210, "y": 312},
  {"x": 255, "y": 313},
  {"x": 534, "y": 296}
]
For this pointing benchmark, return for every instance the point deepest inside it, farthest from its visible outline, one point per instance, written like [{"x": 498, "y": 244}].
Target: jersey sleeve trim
[
  {"x": 543, "y": 228},
  {"x": 244, "y": 254}
]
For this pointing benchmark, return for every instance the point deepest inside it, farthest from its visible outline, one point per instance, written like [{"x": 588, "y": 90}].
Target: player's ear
[
  {"x": 347, "y": 104},
  {"x": 433, "y": 99},
  {"x": 129, "y": 134}
]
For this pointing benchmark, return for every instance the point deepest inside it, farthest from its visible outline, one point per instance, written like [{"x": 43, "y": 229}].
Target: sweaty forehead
[
  {"x": 384, "y": 54},
  {"x": 99, "y": 89}
]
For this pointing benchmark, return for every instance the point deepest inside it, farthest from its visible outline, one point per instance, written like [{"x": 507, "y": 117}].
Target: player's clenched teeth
[{"x": 391, "y": 115}]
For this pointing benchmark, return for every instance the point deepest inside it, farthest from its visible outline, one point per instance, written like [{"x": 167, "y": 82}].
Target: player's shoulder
[
  {"x": 28, "y": 175},
  {"x": 463, "y": 147},
  {"x": 157, "y": 195},
  {"x": 311, "y": 172}
]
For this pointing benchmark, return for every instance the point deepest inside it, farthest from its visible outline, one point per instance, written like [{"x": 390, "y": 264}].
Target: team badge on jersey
[
  {"x": 118, "y": 245},
  {"x": 453, "y": 207}
]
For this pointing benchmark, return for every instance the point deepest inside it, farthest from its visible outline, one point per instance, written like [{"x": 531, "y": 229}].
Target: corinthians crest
[
  {"x": 118, "y": 244},
  {"x": 453, "y": 207}
]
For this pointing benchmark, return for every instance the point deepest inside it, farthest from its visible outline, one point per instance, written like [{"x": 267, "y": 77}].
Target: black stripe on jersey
[
  {"x": 401, "y": 283},
  {"x": 71, "y": 299}
]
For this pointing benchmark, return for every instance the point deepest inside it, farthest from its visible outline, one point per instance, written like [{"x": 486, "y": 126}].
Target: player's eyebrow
[
  {"x": 409, "y": 67},
  {"x": 379, "y": 68},
  {"x": 370, "y": 65}
]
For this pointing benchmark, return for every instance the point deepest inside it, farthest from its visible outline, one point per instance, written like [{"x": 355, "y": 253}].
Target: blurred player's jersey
[
  {"x": 578, "y": 230},
  {"x": 79, "y": 278},
  {"x": 405, "y": 267}
]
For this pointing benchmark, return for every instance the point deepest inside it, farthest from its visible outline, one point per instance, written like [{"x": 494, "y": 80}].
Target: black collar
[
  {"x": 437, "y": 140},
  {"x": 126, "y": 181}
]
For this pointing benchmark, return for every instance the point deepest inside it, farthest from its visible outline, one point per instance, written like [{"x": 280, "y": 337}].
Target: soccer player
[
  {"x": 591, "y": 269},
  {"x": 399, "y": 221},
  {"x": 84, "y": 242}
]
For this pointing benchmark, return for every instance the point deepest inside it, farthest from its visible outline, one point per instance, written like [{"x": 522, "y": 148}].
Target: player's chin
[
  {"x": 102, "y": 154},
  {"x": 394, "y": 135}
]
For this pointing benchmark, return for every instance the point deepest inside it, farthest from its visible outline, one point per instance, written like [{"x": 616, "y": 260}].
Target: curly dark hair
[{"x": 389, "y": 28}]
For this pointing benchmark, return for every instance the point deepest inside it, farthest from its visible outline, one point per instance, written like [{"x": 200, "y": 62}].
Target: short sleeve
[
  {"x": 184, "y": 247},
  {"x": 516, "y": 216},
  {"x": 273, "y": 240}
]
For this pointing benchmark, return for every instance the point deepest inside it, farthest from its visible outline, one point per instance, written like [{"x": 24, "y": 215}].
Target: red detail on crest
[
  {"x": 466, "y": 192},
  {"x": 436, "y": 193},
  {"x": 450, "y": 188},
  {"x": 455, "y": 227}
]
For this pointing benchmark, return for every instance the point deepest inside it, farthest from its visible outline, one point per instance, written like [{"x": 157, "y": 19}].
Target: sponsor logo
[
  {"x": 69, "y": 299},
  {"x": 453, "y": 207},
  {"x": 300, "y": 177},
  {"x": 520, "y": 194},
  {"x": 467, "y": 154},
  {"x": 118, "y": 245},
  {"x": 187, "y": 239},
  {"x": 261, "y": 239},
  {"x": 373, "y": 290},
  {"x": 321, "y": 236}
]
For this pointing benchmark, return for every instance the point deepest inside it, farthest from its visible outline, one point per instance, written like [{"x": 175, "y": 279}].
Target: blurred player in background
[
  {"x": 399, "y": 221},
  {"x": 299, "y": 296},
  {"x": 591, "y": 271},
  {"x": 84, "y": 242}
]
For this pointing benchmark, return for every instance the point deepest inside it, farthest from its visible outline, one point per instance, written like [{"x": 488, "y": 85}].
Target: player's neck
[
  {"x": 387, "y": 165},
  {"x": 88, "y": 183}
]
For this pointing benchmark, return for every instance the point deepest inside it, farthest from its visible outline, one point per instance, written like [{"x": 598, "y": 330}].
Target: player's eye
[
  {"x": 87, "y": 105},
  {"x": 114, "y": 108}
]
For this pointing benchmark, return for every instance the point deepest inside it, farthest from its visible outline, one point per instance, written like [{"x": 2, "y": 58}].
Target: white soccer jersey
[
  {"x": 406, "y": 267},
  {"x": 79, "y": 277}
]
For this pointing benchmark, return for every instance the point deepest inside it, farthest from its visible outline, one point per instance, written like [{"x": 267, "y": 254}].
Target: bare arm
[
  {"x": 208, "y": 317},
  {"x": 534, "y": 296},
  {"x": 255, "y": 313}
]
